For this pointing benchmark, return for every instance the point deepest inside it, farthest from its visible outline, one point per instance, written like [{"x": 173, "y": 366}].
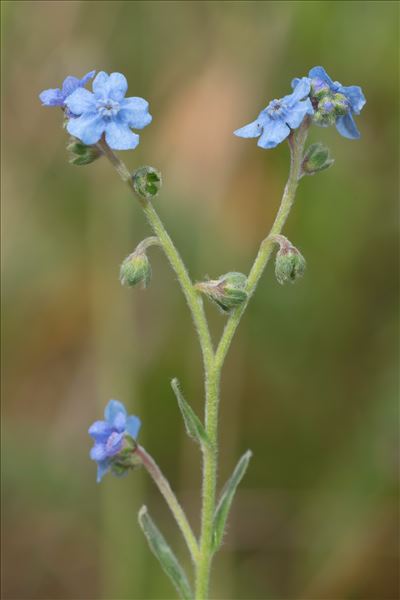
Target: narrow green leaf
[
  {"x": 193, "y": 424},
  {"x": 163, "y": 552},
  {"x": 225, "y": 501}
]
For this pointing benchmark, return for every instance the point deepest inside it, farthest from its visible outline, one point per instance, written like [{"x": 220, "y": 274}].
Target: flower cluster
[
  {"x": 105, "y": 111},
  {"x": 325, "y": 101},
  {"x": 275, "y": 122},
  {"x": 114, "y": 440}
]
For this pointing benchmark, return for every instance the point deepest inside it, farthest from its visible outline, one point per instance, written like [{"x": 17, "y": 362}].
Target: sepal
[
  {"x": 316, "y": 159},
  {"x": 80, "y": 154}
]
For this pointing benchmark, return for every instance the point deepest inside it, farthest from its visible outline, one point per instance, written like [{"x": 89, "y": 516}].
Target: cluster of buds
[
  {"x": 290, "y": 264},
  {"x": 227, "y": 292},
  {"x": 328, "y": 105},
  {"x": 136, "y": 268}
]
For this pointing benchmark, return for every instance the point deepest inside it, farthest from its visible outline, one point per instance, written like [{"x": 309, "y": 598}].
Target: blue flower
[
  {"x": 110, "y": 436},
  {"x": 106, "y": 110},
  {"x": 275, "y": 122},
  {"x": 335, "y": 103},
  {"x": 57, "y": 97}
]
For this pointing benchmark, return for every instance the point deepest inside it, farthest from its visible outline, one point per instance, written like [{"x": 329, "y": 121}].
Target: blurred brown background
[{"x": 311, "y": 382}]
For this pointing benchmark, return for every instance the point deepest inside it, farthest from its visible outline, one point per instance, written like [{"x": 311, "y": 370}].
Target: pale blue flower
[
  {"x": 275, "y": 122},
  {"x": 109, "y": 435},
  {"x": 57, "y": 96},
  {"x": 107, "y": 111},
  {"x": 332, "y": 97}
]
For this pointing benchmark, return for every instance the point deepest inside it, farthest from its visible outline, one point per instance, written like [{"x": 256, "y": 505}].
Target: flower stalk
[{"x": 162, "y": 483}]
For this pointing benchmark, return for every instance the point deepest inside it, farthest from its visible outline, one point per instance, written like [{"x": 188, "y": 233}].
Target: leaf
[
  {"x": 163, "y": 552},
  {"x": 193, "y": 424},
  {"x": 225, "y": 501}
]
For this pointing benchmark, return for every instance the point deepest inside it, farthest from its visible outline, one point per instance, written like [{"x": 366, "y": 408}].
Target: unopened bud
[
  {"x": 227, "y": 292},
  {"x": 147, "y": 182},
  {"x": 290, "y": 264},
  {"x": 80, "y": 154},
  {"x": 135, "y": 269},
  {"x": 325, "y": 114},
  {"x": 341, "y": 105},
  {"x": 319, "y": 88},
  {"x": 316, "y": 159}
]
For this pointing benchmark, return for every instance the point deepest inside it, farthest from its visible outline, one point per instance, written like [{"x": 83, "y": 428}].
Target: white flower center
[
  {"x": 276, "y": 109},
  {"x": 108, "y": 108}
]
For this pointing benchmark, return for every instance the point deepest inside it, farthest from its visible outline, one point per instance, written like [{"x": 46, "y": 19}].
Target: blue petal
[
  {"x": 87, "y": 77},
  {"x": 98, "y": 452},
  {"x": 70, "y": 84},
  {"x": 99, "y": 83},
  {"x": 112, "y": 409},
  {"x": 119, "y": 422},
  {"x": 251, "y": 130},
  {"x": 117, "y": 86},
  {"x": 100, "y": 431},
  {"x": 120, "y": 137},
  {"x": 52, "y": 97},
  {"x": 301, "y": 90},
  {"x": 102, "y": 468},
  {"x": 114, "y": 444},
  {"x": 274, "y": 133},
  {"x": 347, "y": 127},
  {"x": 294, "y": 82},
  {"x": 81, "y": 101},
  {"x": 133, "y": 425},
  {"x": 112, "y": 86},
  {"x": 88, "y": 128},
  {"x": 135, "y": 112},
  {"x": 298, "y": 112},
  {"x": 320, "y": 73},
  {"x": 355, "y": 96}
]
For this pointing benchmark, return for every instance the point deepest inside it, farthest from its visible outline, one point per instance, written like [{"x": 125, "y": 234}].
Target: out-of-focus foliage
[{"x": 310, "y": 385}]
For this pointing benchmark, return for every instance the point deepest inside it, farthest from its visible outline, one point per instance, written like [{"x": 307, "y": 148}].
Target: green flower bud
[
  {"x": 135, "y": 269},
  {"x": 227, "y": 292},
  {"x": 341, "y": 105},
  {"x": 325, "y": 114},
  {"x": 147, "y": 182},
  {"x": 80, "y": 154},
  {"x": 319, "y": 89},
  {"x": 316, "y": 159},
  {"x": 289, "y": 262}
]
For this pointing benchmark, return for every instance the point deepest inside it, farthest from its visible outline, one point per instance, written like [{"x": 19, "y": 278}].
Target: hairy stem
[
  {"x": 193, "y": 299},
  {"x": 296, "y": 143},
  {"x": 170, "y": 498},
  {"x": 213, "y": 361}
]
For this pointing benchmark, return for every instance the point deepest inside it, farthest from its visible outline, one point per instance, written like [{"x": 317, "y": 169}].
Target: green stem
[
  {"x": 213, "y": 361},
  {"x": 296, "y": 144},
  {"x": 170, "y": 498},
  {"x": 193, "y": 299}
]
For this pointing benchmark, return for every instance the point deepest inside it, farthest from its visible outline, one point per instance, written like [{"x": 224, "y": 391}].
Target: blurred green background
[{"x": 311, "y": 382}]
